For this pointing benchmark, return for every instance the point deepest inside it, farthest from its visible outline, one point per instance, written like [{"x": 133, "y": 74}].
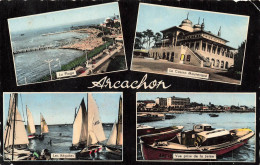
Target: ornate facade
[{"x": 191, "y": 44}]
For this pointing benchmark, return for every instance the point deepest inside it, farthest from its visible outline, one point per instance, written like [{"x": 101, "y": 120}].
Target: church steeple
[
  {"x": 219, "y": 32},
  {"x": 199, "y": 21},
  {"x": 188, "y": 15}
]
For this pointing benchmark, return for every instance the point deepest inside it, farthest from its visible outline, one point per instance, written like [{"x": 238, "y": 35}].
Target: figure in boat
[{"x": 87, "y": 129}]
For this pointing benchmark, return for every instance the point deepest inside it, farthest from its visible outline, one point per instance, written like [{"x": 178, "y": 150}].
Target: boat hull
[
  {"x": 90, "y": 150},
  {"x": 160, "y": 135},
  {"x": 152, "y": 153},
  {"x": 114, "y": 150}
]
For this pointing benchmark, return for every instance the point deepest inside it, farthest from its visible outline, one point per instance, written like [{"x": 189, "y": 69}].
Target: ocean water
[
  {"x": 31, "y": 66},
  {"x": 225, "y": 120},
  {"x": 61, "y": 137}
]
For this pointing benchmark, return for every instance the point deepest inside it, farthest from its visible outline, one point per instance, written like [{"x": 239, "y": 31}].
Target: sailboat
[
  {"x": 30, "y": 124},
  {"x": 44, "y": 127},
  {"x": 15, "y": 136},
  {"x": 115, "y": 141},
  {"x": 87, "y": 128}
]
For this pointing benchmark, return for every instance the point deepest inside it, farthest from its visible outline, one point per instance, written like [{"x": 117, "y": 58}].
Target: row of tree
[{"x": 144, "y": 40}]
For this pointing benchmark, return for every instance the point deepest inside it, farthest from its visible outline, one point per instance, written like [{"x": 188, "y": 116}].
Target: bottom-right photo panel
[{"x": 183, "y": 126}]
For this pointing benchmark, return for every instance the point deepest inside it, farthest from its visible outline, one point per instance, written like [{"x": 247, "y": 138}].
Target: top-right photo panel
[{"x": 190, "y": 43}]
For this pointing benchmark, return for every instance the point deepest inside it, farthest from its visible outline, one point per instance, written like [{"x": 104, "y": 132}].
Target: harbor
[{"x": 229, "y": 121}]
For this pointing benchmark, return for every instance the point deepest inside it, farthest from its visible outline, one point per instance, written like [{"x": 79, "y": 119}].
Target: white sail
[
  {"x": 19, "y": 136},
  {"x": 30, "y": 122},
  {"x": 44, "y": 126},
  {"x": 94, "y": 123},
  {"x": 80, "y": 125},
  {"x": 119, "y": 125},
  {"x": 113, "y": 136}
]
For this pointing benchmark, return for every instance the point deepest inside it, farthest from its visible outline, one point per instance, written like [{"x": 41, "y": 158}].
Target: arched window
[
  {"x": 207, "y": 59},
  {"x": 213, "y": 61},
  {"x": 168, "y": 55},
  {"x": 231, "y": 54},
  {"x": 163, "y": 57},
  {"x": 222, "y": 64},
  {"x": 226, "y": 66},
  {"x": 217, "y": 65},
  {"x": 172, "y": 56},
  {"x": 188, "y": 58}
]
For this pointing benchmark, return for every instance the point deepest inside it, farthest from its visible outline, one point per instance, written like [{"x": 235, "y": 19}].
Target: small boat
[
  {"x": 144, "y": 129},
  {"x": 213, "y": 115},
  {"x": 30, "y": 124},
  {"x": 115, "y": 140},
  {"x": 44, "y": 128},
  {"x": 15, "y": 136},
  {"x": 150, "y": 117},
  {"x": 87, "y": 129},
  {"x": 161, "y": 134},
  {"x": 170, "y": 116},
  {"x": 203, "y": 139}
]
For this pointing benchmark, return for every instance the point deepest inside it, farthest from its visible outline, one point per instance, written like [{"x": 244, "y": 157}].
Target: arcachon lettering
[{"x": 106, "y": 83}]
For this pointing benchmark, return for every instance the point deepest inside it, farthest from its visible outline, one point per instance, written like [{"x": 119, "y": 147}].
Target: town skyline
[{"x": 247, "y": 99}]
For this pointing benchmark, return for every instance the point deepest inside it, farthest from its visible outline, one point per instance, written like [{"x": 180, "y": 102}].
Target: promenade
[{"x": 150, "y": 65}]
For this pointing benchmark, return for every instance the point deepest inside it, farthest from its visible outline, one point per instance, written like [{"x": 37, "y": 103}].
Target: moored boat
[
  {"x": 203, "y": 139},
  {"x": 213, "y": 115},
  {"x": 144, "y": 129},
  {"x": 161, "y": 134},
  {"x": 149, "y": 117}
]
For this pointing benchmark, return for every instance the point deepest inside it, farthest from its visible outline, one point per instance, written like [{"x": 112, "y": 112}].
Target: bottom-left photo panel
[{"x": 63, "y": 126}]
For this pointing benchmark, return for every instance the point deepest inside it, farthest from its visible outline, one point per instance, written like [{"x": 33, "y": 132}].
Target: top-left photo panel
[{"x": 67, "y": 44}]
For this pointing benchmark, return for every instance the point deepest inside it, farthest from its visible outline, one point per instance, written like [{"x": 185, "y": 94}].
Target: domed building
[{"x": 193, "y": 45}]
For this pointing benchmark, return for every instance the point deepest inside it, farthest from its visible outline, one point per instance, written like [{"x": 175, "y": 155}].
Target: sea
[
  {"x": 228, "y": 121},
  {"x": 61, "y": 140},
  {"x": 31, "y": 66}
]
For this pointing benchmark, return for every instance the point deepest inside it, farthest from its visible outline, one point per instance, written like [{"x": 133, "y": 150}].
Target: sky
[
  {"x": 59, "y": 108},
  {"x": 233, "y": 27},
  {"x": 53, "y": 19},
  {"x": 247, "y": 99}
]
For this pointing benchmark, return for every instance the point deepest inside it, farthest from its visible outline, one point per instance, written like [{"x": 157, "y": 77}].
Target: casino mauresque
[{"x": 187, "y": 44}]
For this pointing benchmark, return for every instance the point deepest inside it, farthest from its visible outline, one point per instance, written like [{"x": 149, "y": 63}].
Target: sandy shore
[{"x": 91, "y": 42}]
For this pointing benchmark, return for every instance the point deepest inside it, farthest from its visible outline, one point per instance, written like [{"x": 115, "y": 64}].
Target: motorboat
[{"x": 203, "y": 139}]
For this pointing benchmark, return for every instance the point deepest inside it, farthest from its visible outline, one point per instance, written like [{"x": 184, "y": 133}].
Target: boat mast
[
  {"x": 27, "y": 120},
  {"x": 15, "y": 104},
  {"x": 119, "y": 119}
]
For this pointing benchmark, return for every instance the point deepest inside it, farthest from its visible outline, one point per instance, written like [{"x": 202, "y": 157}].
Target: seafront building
[
  {"x": 193, "y": 45},
  {"x": 173, "y": 102}
]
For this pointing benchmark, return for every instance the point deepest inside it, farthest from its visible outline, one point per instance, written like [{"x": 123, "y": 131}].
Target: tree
[
  {"x": 157, "y": 37},
  {"x": 139, "y": 40},
  {"x": 148, "y": 35},
  {"x": 238, "y": 58}
]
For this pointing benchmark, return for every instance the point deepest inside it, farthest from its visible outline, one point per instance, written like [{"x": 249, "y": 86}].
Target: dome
[
  {"x": 186, "y": 24},
  {"x": 186, "y": 21}
]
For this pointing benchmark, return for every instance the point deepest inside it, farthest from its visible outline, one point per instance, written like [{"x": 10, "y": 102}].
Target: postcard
[
  {"x": 190, "y": 43},
  {"x": 174, "y": 126},
  {"x": 63, "y": 126},
  {"x": 70, "y": 43}
]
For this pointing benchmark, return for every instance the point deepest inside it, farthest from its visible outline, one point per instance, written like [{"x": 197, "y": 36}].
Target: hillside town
[{"x": 178, "y": 104}]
